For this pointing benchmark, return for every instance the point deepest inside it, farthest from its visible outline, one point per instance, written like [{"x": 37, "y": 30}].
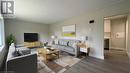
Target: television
[{"x": 30, "y": 37}]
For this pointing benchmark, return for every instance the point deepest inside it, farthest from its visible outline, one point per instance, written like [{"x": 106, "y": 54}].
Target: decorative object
[
  {"x": 46, "y": 44},
  {"x": 10, "y": 39},
  {"x": 120, "y": 35},
  {"x": 53, "y": 37},
  {"x": 69, "y": 31}
]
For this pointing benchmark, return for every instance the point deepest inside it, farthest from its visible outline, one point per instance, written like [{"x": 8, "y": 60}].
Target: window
[
  {"x": 0, "y": 36},
  {"x": 1, "y": 32}
]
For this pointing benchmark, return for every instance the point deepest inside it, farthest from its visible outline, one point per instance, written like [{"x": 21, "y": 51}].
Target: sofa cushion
[
  {"x": 63, "y": 42},
  {"x": 23, "y": 50},
  {"x": 74, "y": 45},
  {"x": 56, "y": 42},
  {"x": 59, "y": 42},
  {"x": 71, "y": 43},
  {"x": 18, "y": 53}
]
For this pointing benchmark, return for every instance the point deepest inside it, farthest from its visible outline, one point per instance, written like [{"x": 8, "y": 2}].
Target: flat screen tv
[{"x": 30, "y": 37}]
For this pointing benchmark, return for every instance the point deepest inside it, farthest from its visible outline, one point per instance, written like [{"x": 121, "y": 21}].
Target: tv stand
[{"x": 32, "y": 44}]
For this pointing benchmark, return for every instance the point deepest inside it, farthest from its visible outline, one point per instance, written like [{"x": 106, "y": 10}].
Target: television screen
[{"x": 30, "y": 37}]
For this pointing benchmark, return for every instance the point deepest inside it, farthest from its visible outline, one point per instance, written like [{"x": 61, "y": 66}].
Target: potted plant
[{"x": 10, "y": 39}]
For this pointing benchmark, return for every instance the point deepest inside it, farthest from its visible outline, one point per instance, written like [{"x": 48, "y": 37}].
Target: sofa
[
  {"x": 21, "y": 60},
  {"x": 67, "y": 45}
]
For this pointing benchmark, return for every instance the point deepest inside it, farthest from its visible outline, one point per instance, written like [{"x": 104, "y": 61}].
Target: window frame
[{"x": 2, "y": 33}]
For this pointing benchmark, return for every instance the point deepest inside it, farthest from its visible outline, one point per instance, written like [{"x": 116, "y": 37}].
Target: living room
[{"x": 48, "y": 19}]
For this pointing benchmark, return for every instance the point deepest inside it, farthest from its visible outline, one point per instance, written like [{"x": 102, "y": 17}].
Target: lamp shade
[{"x": 53, "y": 37}]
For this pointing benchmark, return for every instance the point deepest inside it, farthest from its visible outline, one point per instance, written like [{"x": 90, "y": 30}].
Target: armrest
[{"x": 77, "y": 49}]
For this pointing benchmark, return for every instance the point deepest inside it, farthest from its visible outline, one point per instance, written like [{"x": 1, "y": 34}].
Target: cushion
[
  {"x": 56, "y": 42},
  {"x": 72, "y": 44},
  {"x": 19, "y": 53},
  {"x": 59, "y": 42},
  {"x": 63, "y": 42}
]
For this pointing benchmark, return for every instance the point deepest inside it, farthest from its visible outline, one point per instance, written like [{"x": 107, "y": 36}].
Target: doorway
[{"x": 115, "y": 28}]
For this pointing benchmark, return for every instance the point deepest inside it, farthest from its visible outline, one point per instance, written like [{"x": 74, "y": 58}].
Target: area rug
[{"x": 57, "y": 66}]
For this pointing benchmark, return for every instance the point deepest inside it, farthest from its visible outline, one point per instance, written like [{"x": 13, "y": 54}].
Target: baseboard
[
  {"x": 96, "y": 56},
  {"x": 117, "y": 48}
]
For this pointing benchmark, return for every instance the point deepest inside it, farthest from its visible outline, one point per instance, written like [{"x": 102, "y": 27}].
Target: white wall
[
  {"x": 118, "y": 26},
  {"x": 18, "y": 28},
  {"x": 95, "y": 31}
]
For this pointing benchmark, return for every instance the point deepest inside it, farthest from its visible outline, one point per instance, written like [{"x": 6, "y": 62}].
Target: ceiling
[{"x": 52, "y": 11}]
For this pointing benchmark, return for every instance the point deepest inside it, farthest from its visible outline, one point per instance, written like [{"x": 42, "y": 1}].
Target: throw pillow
[
  {"x": 74, "y": 45},
  {"x": 70, "y": 43}
]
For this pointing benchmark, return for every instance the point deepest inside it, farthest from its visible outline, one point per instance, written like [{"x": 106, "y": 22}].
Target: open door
[{"x": 115, "y": 36}]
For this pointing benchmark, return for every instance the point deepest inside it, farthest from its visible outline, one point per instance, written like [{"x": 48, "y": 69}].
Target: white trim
[
  {"x": 127, "y": 38},
  {"x": 117, "y": 48},
  {"x": 1, "y": 48},
  {"x": 96, "y": 56}
]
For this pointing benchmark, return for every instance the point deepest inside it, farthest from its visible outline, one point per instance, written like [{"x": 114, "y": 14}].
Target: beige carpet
[
  {"x": 57, "y": 66},
  {"x": 67, "y": 61}
]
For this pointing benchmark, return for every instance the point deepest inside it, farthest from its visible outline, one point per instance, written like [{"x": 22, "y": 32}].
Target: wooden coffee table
[{"x": 48, "y": 53}]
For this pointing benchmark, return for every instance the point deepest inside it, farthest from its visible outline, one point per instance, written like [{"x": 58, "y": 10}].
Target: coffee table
[{"x": 48, "y": 53}]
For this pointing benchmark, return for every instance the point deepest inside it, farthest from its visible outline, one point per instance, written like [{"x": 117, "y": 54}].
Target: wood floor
[{"x": 115, "y": 62}]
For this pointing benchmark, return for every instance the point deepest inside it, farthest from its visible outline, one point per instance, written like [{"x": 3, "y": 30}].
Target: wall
[
  {"x": 18, "y": 28},
  {"x": 118, "y": 26},
  {"x": 107, "y": 34},
  {"x": 95, "y": 32}
]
